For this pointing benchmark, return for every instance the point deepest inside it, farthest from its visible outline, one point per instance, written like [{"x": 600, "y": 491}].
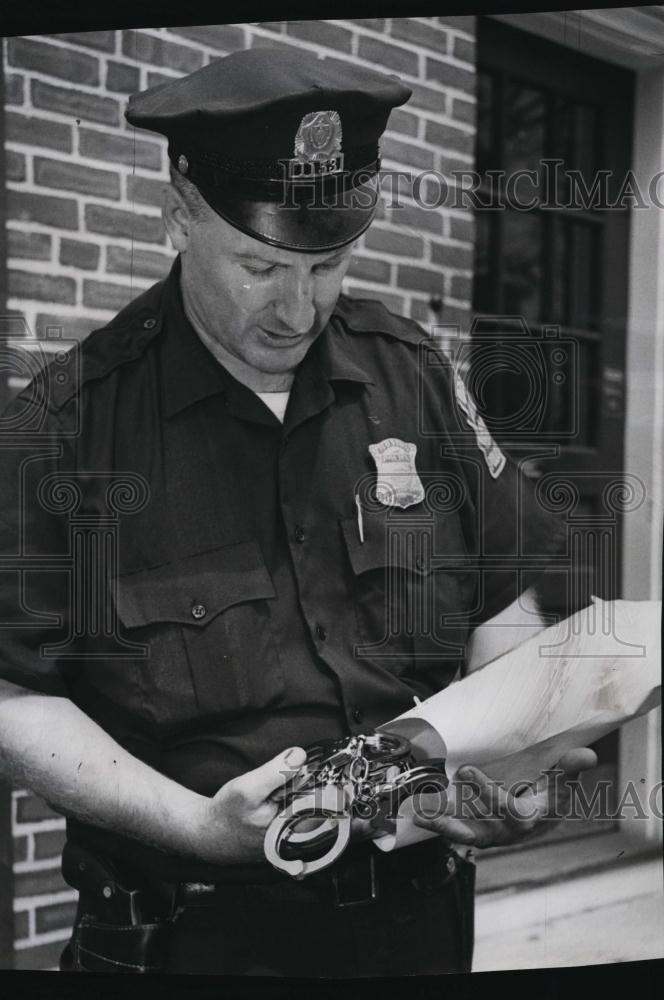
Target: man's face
[{"x": 257, "y": 306}]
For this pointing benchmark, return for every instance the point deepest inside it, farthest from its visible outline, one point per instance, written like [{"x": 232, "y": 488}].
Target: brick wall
[{"x": 85, "y": 234}]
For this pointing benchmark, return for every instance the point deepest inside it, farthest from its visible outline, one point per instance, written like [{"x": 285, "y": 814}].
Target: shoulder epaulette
[
  {"x": 371, "y": 316},
  {"x": 122, "y": 340}
]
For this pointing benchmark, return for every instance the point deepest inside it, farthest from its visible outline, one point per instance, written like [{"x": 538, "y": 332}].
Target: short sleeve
[
  {"x": 34, "y": 592},
  {"x": 512, "y": 538}
]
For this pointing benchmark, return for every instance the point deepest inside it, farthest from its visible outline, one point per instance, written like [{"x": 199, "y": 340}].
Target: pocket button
[{"x": 198, "y": 611}]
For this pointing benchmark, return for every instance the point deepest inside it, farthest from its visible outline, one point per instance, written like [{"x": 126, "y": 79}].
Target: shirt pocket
[
  {"x": 206, "y": 621},
  {"x": 412, "y": 587}
]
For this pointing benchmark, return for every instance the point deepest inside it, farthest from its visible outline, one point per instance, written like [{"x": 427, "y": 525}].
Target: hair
[{"x": 191, "y": 196}]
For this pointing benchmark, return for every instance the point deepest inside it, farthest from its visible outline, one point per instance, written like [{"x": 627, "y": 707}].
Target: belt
[{"x": 357, "y": 878}]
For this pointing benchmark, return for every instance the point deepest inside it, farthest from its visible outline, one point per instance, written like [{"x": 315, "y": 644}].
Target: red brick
[
  {"x": 54, "y": 60},
  {"x": 144, "y": 190},
  {"x": 20, "y": 848},
  {"x": 228, "y": 37},
  {"x": 41, "y": 956},
  {"x": 449, "y": 137},
  {"x": 14, "y": 89},
  {"x": 464, "y": 49},
  {"x": 120, "y": 149},
  {"x": 48, "y": 844},
  {"x": 75, "y": 253},
  {"x": 76, "y": 103},
  {"x": 277, "y": 26},
  {"x": 102, "y": 40},
  {"x": 461, "y": 288},
  {"x": 449, "y": 165},
  {"x": 49, "y": 210},
  {"x": 394, "y": 57},
  {"x": 462, "y": 228},
  {"x": 373, "y": 23},
  {"x": 73, "y": 327},
  {"x": 43, "y": 882},
  {"x": 45, "y": 287},
  {"x": 104, "y": 295},
  {"x": 463, "y": 111},
  {"x": 419, "y": 279},
  {"x": 21, "y": 925},
  {"x": 428, "y": 98},
  {"x": 330, "y": 36},
  {"x": 145, "y": 263},
  {"x": 121, "y": 78},
  {"x": 459, "y": 22},
  {"x": 117, "y": 222},
  {"x": 404, "y": 122},
  {"x": 454, "y": 316},
  {"x": 272, "y": 42},
  {"x": 395, "y": 242},
  {"x": 419, "y": 32},
  {"x": 421, "y": 312},
  {"x": 449, "y": 75},
  {"x": 36, "y": 246},
  {"x": 395, "y": 303},
  {"x": 55, "y": 135},
  {"x": 407, "y": 153},
  {"x": 154, "y": 79},
  {"x": 56, "y": 917},
  {"x": 417, "y": 219},
  {"x": 75, "y": 177},
  {"x": 14, "y": 166},
  {"x": 369, "y": 269},
  {"x": 31, "y": 809},
  {"x": 159, "y": 52},
  {"x": 444, "y": 255}
]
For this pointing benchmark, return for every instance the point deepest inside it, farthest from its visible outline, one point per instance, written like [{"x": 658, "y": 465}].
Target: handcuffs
[{"x": 365, "y": 777}]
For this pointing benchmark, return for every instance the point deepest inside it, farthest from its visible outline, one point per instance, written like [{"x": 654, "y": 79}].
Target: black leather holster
[{"x": 116, "y": 929}]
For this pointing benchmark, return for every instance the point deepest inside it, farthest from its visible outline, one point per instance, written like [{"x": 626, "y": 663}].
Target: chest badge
[
  {"x": 493, "y": 456},
  {"x": 398, "y": 484}
]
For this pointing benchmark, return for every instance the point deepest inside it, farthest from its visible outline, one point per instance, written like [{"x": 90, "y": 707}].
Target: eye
[
  {"x": 258, "y": 269},
  {"x": 329, "y": 265}
]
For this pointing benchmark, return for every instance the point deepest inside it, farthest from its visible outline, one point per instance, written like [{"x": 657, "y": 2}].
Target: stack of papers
[{"x": 565, "y": 687}]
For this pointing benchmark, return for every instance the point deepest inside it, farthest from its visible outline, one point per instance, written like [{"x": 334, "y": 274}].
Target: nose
[{"x": 295, "y": 307}]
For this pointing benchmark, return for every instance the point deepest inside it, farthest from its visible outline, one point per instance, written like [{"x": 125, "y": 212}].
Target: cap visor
[{"x": 316, "y": 224}]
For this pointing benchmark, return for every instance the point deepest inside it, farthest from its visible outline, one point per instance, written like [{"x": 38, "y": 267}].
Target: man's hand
[
  {"x": 480, "y": 812},
  {"x": 232, "y": 824}
]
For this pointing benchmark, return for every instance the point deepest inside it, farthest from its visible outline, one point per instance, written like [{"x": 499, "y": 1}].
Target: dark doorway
[{"x": 551, "y": 274}]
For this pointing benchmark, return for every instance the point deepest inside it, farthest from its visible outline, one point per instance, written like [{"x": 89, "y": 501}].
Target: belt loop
[{"x": 344, "y": 902}]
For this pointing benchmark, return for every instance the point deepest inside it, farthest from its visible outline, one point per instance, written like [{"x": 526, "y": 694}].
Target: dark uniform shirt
[{"x": 202, "y": 583}]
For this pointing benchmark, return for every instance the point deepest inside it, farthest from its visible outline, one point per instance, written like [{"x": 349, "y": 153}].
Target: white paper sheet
[{"x": 563, "y": 688}]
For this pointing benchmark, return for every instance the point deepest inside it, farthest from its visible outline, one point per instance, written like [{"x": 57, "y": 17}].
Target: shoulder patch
[{"x": 493, "y": 456}]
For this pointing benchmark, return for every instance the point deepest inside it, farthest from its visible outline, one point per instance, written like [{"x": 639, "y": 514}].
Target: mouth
[{"x": 282, "y": 339}]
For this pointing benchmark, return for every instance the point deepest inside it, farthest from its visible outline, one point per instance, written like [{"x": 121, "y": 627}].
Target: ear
[{"x": 177, "y": 218}]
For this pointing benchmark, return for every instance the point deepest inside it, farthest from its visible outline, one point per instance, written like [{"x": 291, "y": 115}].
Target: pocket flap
[
  {"x": 395, "y": 538},
  {"x": 195, "y": 589}
]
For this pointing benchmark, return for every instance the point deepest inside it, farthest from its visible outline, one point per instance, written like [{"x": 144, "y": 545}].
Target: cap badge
[
  {"x": 317, "y": 146},
  {"x": 398, "y": 484},
  {"x": 183, "y": 163},
  {"x": 493, "y": 456}
]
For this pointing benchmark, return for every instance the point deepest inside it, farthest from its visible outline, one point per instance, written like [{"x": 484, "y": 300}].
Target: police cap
[{"x": 283, "y": 146}]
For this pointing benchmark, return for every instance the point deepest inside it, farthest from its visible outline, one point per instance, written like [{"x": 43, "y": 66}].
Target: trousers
[{"x": 377, "y": 915}]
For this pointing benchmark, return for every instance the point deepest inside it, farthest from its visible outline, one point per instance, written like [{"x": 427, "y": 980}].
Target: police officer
[{"x": 204, "y": 585}]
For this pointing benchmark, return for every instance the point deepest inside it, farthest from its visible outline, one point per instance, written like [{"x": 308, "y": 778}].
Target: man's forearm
[{"x": 50, "y": 746}]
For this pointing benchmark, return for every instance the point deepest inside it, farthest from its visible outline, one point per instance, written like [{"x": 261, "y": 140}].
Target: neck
[{"x": 255, "y": 380}]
